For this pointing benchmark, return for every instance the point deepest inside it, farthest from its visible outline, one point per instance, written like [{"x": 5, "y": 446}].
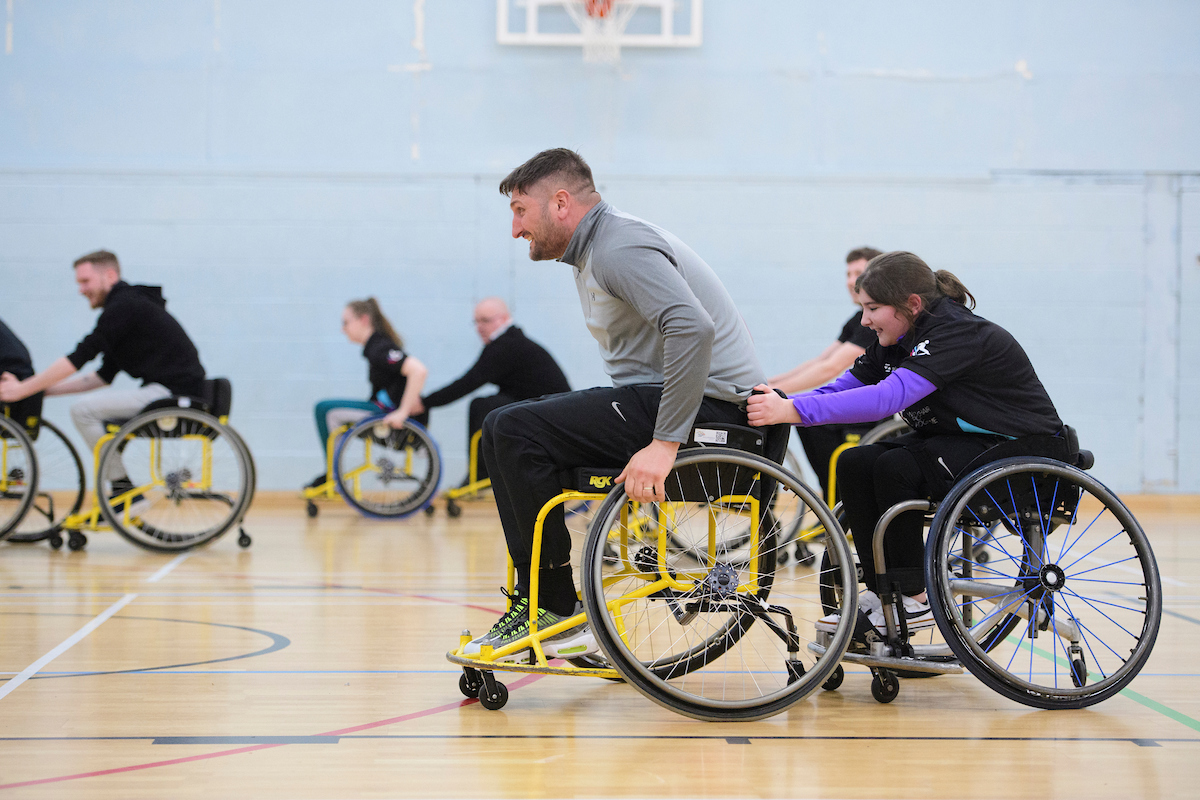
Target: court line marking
[
  {"x": 526, "y": 680},
  {"x": 166, "y": 570},
  {"x": 66, "y": 645}
]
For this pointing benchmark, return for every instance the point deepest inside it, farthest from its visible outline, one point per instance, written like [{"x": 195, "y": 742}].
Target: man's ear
[{"x": 560, "y": 203}]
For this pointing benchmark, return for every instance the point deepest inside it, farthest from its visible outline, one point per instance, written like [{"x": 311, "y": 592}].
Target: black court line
[
  {"x": 740, "y": 740},
  {"x": 278, "y": 642}
]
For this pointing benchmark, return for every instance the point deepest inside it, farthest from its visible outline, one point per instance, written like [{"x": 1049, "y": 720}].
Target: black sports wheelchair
[
  {"x": 1041, "y": 583},
  {"x": 188, "y": 476}
]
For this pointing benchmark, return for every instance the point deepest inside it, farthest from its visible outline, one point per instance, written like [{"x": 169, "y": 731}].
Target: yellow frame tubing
[
  {"x": 328, "y": 489},
  {"x": 474, "y": 485}
]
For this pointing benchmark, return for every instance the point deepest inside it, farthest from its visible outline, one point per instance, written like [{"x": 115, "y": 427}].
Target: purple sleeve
[
  {"x": 864, "y": 403},
  {"x": 840, "y": 384}
]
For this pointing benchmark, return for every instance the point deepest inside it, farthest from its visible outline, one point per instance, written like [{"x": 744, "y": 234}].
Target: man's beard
[{"x": 551, "y": 241}]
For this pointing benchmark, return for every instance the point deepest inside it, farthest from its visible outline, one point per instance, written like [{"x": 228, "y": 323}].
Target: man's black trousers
[{"x": 526, "y": 445}]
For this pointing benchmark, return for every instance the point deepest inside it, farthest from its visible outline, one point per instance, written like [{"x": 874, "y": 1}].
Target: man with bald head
[{"x": 518, "y": 366}]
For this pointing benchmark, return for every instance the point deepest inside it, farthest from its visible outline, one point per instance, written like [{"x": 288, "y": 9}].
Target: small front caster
[
  {"x": 243, "y": 539},
  {"x": 885, "y": 685},
  {"x": 495, "y": 699},
  {"x": 56, "y": 541},
  {"x": 795, "y": 669},
  {"x": 76, "y": 540},
  {"x": 430, "y": 510},
  {"x": 453, "y": 509},
  {"x": 835, "y": 679},
  {"x": 311, "y": 509},
  {"x": 469, "y": 683}
]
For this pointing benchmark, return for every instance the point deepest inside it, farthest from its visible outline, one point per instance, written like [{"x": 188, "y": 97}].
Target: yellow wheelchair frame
[
  {"x": 473, "y": 486},
  {"x": 329, "y": 489},
  {"x": 478, "y": 679},
  {"x": 91, "y": 519}
]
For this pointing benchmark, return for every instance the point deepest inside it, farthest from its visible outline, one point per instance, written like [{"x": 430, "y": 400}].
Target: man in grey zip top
[{"x": 673, "y": 343}]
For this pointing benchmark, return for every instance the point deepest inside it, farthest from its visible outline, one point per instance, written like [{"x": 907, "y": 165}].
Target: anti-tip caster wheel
[
  {"x": 470, "y": 684},
  {"x": 782, "y": 558},
  {"x": 453, "y": 509},
  {"x": 804, "y": 556},
  {"x": 243, "y": 539},
  {"x": 885, "y": 686},
  {"x": 429, "y": 510},
  {"x": 835, "y": 679},
  {"x": 494, "y": 700},
  {"x": 76, "y": 541},
  {"x": 56, "y": 541},
  {"x": 311, "y": 509}
]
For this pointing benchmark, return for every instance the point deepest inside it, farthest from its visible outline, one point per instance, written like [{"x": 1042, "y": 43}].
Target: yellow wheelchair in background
[
  {"x": 173, "y": 477},
  {"x": 380, "y": 471},
  {"x": 474, "y": 484}
]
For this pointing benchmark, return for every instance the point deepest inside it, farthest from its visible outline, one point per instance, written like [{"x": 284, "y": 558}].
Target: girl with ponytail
[
  {"x": 963, "y": 385},
  {"x": 396, "y": 377}
]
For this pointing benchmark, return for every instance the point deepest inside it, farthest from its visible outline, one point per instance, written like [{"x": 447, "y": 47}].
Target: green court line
[{"x": 1153, "y": 705}]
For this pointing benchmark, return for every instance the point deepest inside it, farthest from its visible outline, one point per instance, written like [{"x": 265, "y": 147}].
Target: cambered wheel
[
  {"x": 665, "y": 631},
  {"x": 61, "y": 486},
  {"x": 1070, "y": 576},
  {"x": 18, "y": 475},
  {"x": 387, "y": 472},
  {"x": 192, "y": 478}
]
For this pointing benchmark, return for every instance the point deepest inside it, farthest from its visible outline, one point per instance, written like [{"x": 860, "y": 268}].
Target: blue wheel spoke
[
  {"x": 1102, "y": 566},
  {"x": 1083, "y": 533},
  {"x": 989, "y": 543},
  {"x": 1086, "y": 642},
  {"x": 1106, "y": 616}
]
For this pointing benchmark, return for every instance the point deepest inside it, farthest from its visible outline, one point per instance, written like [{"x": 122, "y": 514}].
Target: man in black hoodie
[{"x": 136, "y": 334}]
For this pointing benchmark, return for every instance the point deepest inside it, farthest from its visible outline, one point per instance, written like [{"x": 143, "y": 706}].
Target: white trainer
[{"x": 868, "y": 602}]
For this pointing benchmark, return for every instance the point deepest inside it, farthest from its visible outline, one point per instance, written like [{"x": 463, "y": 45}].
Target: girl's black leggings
[{"x": 875, "y": 477}]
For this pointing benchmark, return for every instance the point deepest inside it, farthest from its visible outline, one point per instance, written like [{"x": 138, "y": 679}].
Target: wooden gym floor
[{"x": 312, "y": 666}]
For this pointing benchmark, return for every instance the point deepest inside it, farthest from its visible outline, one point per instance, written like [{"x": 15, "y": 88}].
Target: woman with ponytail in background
[
  {"x": 396, "y": 377},
  {"x": 962, "y": 383}
]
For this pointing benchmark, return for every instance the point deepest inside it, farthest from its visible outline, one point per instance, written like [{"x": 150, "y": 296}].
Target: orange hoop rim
[{"x": 598, "y": 8}]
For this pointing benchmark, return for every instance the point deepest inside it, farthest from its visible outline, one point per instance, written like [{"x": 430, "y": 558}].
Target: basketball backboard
[{"x": 601, "y": 28}]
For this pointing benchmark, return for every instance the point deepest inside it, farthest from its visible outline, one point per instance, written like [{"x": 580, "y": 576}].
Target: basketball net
[{"x": 601, "y": 22}]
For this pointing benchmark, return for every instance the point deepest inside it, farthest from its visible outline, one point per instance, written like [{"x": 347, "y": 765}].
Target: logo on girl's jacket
[
  {"x": 922, "y": 349},
  {"x": 395, "y": 355}
]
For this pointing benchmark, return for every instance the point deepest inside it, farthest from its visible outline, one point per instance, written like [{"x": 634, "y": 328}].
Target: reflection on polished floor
[{"x": 313, "y": 666}]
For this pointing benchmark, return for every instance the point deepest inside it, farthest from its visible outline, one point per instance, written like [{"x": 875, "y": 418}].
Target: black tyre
[
  {"x": 664, "y": 620},
  {"x": 192, "y": 476},
  {"x": 885, "y": 686},
  {"x": 61, "y": 485},
  {"x": 18, "y": 475},
  {"x": 834, "y": 680},
  {"x": 495, "y": 699},
  {"x": 1070, "y": 569},
  {"x": 385, "y": 472}
]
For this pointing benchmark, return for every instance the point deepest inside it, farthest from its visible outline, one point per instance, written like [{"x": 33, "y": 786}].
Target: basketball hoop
[{"x": 601, "y": 22}]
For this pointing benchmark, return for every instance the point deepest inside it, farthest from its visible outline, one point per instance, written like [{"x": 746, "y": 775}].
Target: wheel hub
[
  {"x": 1052, "y": 577},
  {"x": 722, "y": 581}
]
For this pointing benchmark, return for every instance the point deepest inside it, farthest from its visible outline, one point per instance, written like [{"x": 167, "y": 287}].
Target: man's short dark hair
[
  {"x": 862, "y": 253},
  {"x": 574, "y": 171},
  {"x": 100, "y": 258}
]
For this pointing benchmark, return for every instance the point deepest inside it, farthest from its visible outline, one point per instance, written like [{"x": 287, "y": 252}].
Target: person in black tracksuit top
[
  {"x": 962, "y": 383},
  {"x": 136, "y": 334},
  {"x": 396, "y": 377},
  {"x": 820, "y": 441},
  {"x": 15, "y": 361},
  {"x": 518, "y": 366}
]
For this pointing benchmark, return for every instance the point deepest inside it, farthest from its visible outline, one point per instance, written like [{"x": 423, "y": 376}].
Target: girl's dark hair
[
  {"x": 370, "y": 308},
  {"x": 890, "y": 278}
]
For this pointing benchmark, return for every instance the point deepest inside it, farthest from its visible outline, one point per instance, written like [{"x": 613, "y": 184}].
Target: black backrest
[{"x": 218, "y": 394}]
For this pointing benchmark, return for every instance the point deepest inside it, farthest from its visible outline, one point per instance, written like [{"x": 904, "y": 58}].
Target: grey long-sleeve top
[{"x": 660, "y": 315}]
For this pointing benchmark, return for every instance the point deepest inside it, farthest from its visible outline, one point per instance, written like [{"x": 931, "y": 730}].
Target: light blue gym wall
[{"x": 267, "y": 161}]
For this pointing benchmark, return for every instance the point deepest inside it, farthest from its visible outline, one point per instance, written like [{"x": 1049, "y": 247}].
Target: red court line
[{"x": 525, "y": 681}]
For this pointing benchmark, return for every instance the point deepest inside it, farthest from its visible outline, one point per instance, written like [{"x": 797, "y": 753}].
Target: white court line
[
  {"x": 1130, "y": 570},
  {"x": 172, "y": 564},
  {"x": 78, "y": 636},
  {"x": 67, "y": 644}
]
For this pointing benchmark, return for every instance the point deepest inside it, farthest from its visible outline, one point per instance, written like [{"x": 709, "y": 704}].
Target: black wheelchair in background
[
  {"x": 1041, "y": 583},
  {"x": 190, "y": 477}
]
